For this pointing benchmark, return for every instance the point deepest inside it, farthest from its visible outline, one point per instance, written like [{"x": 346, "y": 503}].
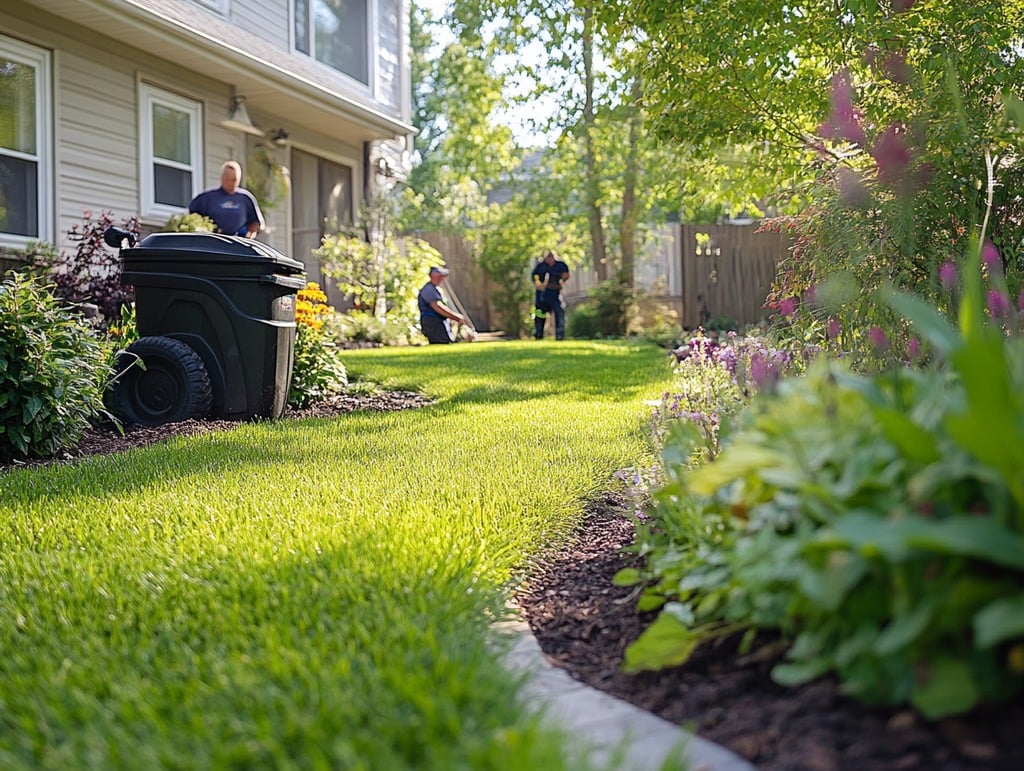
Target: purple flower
[
  {"x": 914, "y": 348},
  {"x": 844, "y": 122},
  {"x": 763, "y": 371},
  {"x": 947, "y": 275},
  {"x": 788, "y": 306},
  {"x": 990, "y": 255},
  {"x": 833, "y": 328},
  {"x": 878, "y": 338},
  {"x": 998, "y": 304},
  {"x": 892, "y": 155}
]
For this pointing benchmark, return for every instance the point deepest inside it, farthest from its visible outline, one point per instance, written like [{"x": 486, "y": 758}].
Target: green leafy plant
[
  {"x": 877, "y": 522},
  {"x": 190, "y": 222},
  {"x": 52, "y": 371},
  {"x": 318, "y": 371}
]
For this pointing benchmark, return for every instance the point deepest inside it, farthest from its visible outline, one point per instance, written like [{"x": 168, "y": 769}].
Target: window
[
  {"x": 335, "y": 32},
  {"x": 170, "y": 153},
  {"x": 25, "y": 139}
]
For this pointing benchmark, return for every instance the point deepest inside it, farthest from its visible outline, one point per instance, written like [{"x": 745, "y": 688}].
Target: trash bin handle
[{"x": 290, "y": 282}]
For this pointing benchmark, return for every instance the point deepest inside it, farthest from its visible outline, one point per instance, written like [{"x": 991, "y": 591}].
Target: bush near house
[{"x": 52, "y": 371}]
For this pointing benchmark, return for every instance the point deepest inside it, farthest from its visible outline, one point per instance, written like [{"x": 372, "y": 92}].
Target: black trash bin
[{"x": 216, "y": 316}]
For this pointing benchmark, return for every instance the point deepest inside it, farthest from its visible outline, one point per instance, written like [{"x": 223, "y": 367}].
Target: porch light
[{"x": 238, "y": 118}]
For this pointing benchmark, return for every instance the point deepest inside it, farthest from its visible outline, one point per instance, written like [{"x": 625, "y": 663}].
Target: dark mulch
[{"x": 584, "y": 623}]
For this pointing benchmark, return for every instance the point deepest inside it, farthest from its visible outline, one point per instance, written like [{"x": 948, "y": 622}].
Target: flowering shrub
[
  {"x": 52, "y": 371},
  {"x": 879, "y": 522},
  {"x": 318, "y": 372}
]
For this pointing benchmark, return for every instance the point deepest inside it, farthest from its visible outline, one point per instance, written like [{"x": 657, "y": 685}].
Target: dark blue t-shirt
[
  {"x": 231, "y": 213},
  {"x": 552, "y": 274},
  {"x": 429, "y": 294}
]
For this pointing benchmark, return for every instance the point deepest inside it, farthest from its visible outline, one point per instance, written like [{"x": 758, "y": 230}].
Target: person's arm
[
  {"x": 538, "y": 282},
  {"x": 445, "y": 312},
  {"x": 256, "y": 222}
]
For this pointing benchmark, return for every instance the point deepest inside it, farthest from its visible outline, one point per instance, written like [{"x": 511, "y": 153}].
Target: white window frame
[
  {"x": 148, "y": 96},
  {"x": 40, "y": 59},
  {"x": 368, "y": 88}
]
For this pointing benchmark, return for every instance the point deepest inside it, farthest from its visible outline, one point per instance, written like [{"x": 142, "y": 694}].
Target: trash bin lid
[{"x": 212, "y": 247}]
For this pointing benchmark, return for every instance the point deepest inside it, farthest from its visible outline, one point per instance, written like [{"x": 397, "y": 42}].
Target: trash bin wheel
[{"x": 172, "y": 385}]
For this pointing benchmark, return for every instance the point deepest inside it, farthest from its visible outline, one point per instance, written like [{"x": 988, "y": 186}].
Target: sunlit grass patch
[{"x": 310, "y": 593}]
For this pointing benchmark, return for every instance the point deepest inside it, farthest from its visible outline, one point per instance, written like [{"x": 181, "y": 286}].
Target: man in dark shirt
[
  {"x": 435, "y": 316},
  {"x": 549, "y": 277},
  {"x": 233, "y": 209}
]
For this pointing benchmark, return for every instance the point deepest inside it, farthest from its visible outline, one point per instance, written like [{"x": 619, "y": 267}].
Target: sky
[{"x": 517, "y": 118}]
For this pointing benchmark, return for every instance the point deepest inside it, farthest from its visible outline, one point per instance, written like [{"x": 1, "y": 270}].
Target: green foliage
[
  {"x": 363, "y": 327},
  {"x": 318, "y": 372},
  {"x": 382, "y": 276},
  {"x": 315, "y": 593},
  {"x": 189, "y": 222},
  {"x": 878, "y": 521},
  {"x": 610, "y": 311},
  {"x": 52, "y": 371}
]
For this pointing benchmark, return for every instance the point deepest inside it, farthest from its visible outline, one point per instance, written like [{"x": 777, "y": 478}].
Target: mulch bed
[{"x": 583, "y": 623}]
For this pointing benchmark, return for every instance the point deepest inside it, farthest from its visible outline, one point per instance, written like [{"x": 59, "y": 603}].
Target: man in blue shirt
[
  {"x": 233, "y": 209},
  {"x": 549, "y": 277},
  {"x": 435, "y": 316}
]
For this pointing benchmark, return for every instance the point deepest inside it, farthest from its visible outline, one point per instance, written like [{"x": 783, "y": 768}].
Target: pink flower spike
[
  {"x": 788, "y": 306},
  {"x": 998, "y": 304},
  {"x": 844, "y": 123},
  {"x": 833, "y": 328},
  {"x": 914, "y": 348},
  {"x": 878, "y": 338},
  {"x": 947, "y": 275},
  {"x": 892, "y": 155},
  {"x": 990, "y": 255}
]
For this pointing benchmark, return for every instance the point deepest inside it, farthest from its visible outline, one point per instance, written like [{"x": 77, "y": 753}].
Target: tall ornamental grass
[{"x": 309, "y": 594}]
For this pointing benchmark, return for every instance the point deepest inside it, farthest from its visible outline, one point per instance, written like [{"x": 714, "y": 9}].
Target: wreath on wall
[{"x": 266, "y": 178}]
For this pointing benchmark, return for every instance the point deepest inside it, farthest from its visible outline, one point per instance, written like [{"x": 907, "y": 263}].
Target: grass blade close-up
[{"x": 310, "y": 593}]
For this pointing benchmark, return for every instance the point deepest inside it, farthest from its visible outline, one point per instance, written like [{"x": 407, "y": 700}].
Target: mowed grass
[{"x": 310, "y": 594}]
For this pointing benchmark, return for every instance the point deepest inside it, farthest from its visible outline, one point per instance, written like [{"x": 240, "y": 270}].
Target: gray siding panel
[{"x": 268, "y": 19}]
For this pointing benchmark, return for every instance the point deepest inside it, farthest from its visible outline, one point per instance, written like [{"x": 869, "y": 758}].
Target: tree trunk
[
  {"x": 627, "y": 232},
  {"x": 593, "y": 188}
]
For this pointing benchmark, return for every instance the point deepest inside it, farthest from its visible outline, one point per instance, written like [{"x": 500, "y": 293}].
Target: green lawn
[{"x": 309, "y": 594}]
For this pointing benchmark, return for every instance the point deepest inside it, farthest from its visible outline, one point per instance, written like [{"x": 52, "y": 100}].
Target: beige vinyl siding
[{"x": 268, "y": 19}]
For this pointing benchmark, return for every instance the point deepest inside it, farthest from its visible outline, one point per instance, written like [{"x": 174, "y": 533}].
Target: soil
[{"x": 584, "y": 623}]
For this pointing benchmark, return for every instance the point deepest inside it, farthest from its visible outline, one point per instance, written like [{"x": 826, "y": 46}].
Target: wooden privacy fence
[{"x": 703, "y": 272}]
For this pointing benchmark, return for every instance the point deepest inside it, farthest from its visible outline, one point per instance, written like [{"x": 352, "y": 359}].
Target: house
[{"x": 132, "y": 106}]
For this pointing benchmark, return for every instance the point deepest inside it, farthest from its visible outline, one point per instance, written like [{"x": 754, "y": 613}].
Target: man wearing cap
[
  {"x": 435, "y": 316},
  {"x": 549, "y": 277}
]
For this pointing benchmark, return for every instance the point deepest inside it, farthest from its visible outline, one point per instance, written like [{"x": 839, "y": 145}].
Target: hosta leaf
[
  {"x": 928, "y": 322},
  {"x": 913, "y": 441},
  {"x": 627, "y": 577},
  {"x": 980, "y": 537},
  {"x": 947, "y": 689},
  {"x": 903, "y": 630},
  {"x": 999, "y": 621},
  {"x": 666, "y": 642}
]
